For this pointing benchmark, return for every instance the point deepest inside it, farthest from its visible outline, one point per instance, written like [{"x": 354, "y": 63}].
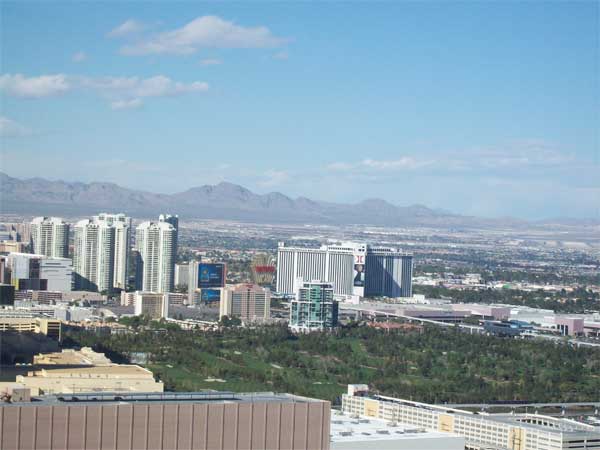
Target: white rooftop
[{"x": 348, "y": 431}]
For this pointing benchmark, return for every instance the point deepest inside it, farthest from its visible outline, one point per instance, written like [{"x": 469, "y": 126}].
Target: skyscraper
[
  {"x": 355, "y": 269},
  {"x": 50, "y": 237},
  {"x": 101, "y": 252},
  {"x": 314, "y": 307},
  {"x": 173, "y": 220},
  {"x": 156, "y": 244}
]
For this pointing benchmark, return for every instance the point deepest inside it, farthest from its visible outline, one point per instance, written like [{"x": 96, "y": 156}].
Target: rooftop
[
  {"x": 345, "y": 428},
  {"x": 165, "y": 397}
]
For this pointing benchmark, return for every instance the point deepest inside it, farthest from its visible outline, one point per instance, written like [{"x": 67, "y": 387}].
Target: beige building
[
  {"x": 49, "y": 327},
  {"x": 12, "y": 247},
  {"x": 69, "y": 357},
  {"x": 249, "y": 302},
  {"x": 105, "y": 378}
]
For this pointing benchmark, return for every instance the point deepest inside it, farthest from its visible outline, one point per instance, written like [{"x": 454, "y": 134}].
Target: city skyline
[{"x": 481, "y": 109}]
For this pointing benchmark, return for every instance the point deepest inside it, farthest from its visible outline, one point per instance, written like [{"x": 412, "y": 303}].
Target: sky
[{"x": 480, "y": 108}]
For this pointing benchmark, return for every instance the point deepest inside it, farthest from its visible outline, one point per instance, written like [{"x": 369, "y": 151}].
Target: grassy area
[{"x": 435, "y": 365}]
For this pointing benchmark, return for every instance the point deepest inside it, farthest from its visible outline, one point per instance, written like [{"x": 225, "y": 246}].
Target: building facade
[
  {"x": 50, "y": 237},
  {"x": 156, "y": 243},
  {"x": 249, "y": 302},
  {"x": 314, "y": 307},
  {"x": 355, "y": 270}
]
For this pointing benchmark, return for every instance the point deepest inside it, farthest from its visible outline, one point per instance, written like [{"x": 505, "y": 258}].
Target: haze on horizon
[{"x": 485, "y": 109}]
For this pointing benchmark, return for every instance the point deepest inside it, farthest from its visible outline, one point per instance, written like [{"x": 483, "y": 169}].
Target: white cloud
[
  {"x": 402, "y": 163},
  {"x": 127, "y": 28},
  {"x": 34, "y": 87},
  {"x": 204, "y": 32},
  {"x": 10, "y": 128},
  {"x": 79, "y": 57},
  {"x": 158, "y": 86},
  {"x": 119, "y": 105},
  {"x": 211, "y": 62},
  {"x": 123, "y": 92}
]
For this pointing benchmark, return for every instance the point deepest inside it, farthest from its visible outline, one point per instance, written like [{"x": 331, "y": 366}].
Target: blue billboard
[
  {"x": 210, "y": 296},
  {"x": 211, "y": 275}
]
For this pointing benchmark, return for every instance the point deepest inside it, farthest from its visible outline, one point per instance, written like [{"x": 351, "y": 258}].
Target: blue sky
[{"x": 487, "y": 108}]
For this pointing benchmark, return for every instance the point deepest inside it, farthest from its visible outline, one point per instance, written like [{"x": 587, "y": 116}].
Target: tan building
[
  {"x": 49, "y": 327},
  {"x": 207, "y": 420},
  {"x": 106, "y": 378},
  {"x": 249, "y": 302},
  {"x": 69, "y": 357}
]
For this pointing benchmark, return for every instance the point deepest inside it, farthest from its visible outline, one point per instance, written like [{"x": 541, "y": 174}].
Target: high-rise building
[
  {"x": 206, "y": 277},
  {"x": 355, "y": 269},
  {"x": 39, "y": 272},
  {"x": 50, "y": 237},
  {"x": 173, "y": 220},
  {"x": 246, "y": 301},
  {"x": 314, "y": 307},
  {"x": 101, "y": 252},
  {"x": 182, "y": 274},
  {"x": 156, "y": 244}
]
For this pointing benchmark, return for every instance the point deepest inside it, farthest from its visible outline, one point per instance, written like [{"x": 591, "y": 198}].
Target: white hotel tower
[
  {"x": 355, "y": 269},
  {"x": 50, "y": 237},
  {"x": 156, "y": 245},
  {"x": 101, "y": 252}
]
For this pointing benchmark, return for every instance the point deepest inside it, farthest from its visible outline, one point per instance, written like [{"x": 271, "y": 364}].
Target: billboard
[
  {"x": 210, "y": 296},
  {"x": 359, "y": 270},
  {"x": 211, "y": 275}
]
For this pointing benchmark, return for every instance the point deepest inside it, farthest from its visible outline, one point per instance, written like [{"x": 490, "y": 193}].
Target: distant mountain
[{"x": 222, "y": 201}]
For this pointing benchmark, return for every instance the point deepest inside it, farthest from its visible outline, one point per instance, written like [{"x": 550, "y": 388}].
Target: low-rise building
[
  {"x": 21, "y": 322},
  {"x": 198, "y": 420},
  {"x": 152, "y": 304},
  {"x": 481, "y": 430}
]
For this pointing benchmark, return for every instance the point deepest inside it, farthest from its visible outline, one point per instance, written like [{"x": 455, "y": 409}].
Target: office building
[
  {"x": 39, "y": 297},
  {"x": 101, "y": 252},
  {"x": 39, "y": 272},
  {"x": 182, "y": 275},
  {"x": 249, "y": 302},
  {"x": 50, "y": 237},
  {"x": 190, "y": 421},
  {"x": 151, "y": 304},
  {"x": 314, "y": 307},
  {"x": 355, "y": 269},
  {"x": 156, "y": 244},
  {"x": 481, "y": 431}
]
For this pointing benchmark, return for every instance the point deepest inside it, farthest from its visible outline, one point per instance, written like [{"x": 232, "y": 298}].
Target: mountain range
[{"x": 225, "y": 201}]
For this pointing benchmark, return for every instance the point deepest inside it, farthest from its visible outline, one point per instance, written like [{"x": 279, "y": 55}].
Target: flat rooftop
[
  {"x": 345, "y": 428},
  {"x": 117, "y": 370},
  {"x": 163, "y": 397}
]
